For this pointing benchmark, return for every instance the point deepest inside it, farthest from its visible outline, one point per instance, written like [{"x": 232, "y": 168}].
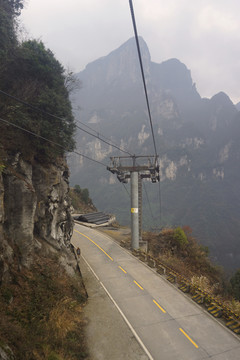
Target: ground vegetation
[
  {"x": 30, "y": 72},
  {"x": 41, "y": 315}
]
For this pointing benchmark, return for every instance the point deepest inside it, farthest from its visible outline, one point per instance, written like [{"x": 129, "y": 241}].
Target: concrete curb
[{"x": 234, "y": 325}]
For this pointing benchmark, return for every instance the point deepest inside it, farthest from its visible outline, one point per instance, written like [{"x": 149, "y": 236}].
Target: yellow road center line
[
  {"x": 122, "y": 269},
  {"x": 138, "y": 285},
  {"x": 155, "y": 302},
  {"x": 188, "y": 337},
  {"x": 95, "y": 244}
]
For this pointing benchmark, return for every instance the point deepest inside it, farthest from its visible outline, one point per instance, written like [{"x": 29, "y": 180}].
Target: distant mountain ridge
[{"x": 197, "y": 140}]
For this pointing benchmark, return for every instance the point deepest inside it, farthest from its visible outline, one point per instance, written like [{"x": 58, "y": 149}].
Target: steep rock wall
[{"x": 34, "y": 207}]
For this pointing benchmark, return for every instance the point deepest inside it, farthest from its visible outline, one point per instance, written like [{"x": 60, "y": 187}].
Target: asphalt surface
[
  {"x": 166, "y": 323},
  {"x": 106, "y": 333}
]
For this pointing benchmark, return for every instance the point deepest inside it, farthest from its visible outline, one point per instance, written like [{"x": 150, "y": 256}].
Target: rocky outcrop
[
  {"x": 53, "y": 220},
  {"x": 34, "y": 206}
]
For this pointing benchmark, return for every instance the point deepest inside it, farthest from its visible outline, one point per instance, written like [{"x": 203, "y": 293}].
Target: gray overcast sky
[{"x": 203, "y": 34}]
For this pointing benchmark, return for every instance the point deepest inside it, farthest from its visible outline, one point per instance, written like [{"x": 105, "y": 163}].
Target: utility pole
[
  {"x": 140, "y": 206},
  {"x": 134, "y": 210},
  {"x": 135, "y": 168}
]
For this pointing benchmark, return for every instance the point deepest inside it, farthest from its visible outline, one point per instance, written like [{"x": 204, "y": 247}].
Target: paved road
[{"x": 167, "y": 323}]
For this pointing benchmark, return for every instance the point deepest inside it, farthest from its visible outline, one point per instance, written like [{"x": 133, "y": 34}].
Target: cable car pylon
[{"x": 135, "y": 168}]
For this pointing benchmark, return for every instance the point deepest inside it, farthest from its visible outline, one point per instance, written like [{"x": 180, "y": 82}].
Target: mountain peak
[
  {"x": 222, "y": 98},
  {"x": 131, "y": 45},
  {"x": 121, "y": 64}
]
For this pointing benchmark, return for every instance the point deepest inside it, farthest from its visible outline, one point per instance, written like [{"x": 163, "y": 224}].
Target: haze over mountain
[{"x": 197, "y": 140}]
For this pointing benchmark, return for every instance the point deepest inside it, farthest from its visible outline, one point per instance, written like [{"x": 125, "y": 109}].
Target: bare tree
[{"x": 72, "y": 82}]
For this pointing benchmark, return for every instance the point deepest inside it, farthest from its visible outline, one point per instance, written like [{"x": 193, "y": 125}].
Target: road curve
[{"x": 167, "y": 324}]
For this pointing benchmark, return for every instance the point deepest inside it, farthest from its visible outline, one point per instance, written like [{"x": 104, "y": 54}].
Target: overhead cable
[
  {"x": 160, "y": 201},
  {"x": 146, "y": 95},
  {"x": 50, "y": 141},
  {"x": 99, "y": 135},
  {"x": 149, "y": 204},
  {"x": 126, "y": 189},
  {"x": 142, "y": 72},
  {"x": 59, "y": 118},
  {"x": 106, "y": 142}
]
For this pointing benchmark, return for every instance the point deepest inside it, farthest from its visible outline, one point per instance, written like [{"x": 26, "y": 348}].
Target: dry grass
[
  {"x": 41, "y": 313},
  {"x": 202, "y": 282},
  {"x": 64, "y": 317},
  {"x": 234, "y": 305},
  {"x": 190, "y": 260},
  {"x": 193, "y": 263}
]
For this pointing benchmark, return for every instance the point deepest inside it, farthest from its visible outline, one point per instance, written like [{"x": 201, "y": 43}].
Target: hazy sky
[{"x": 203, "y": 34}]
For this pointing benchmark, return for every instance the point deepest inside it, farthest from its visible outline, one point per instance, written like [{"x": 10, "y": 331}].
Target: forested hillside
[{"x": 31, "y": 73}]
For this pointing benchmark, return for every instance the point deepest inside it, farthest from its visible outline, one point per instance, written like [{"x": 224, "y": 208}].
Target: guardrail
[{"x": 213, "y": 305}]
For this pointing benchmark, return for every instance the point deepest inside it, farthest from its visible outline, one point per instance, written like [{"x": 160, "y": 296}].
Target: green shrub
[
  {"x": 180, "y": 237},
  {"x": 204, "y": 249},
  {"x": 54, "y": 356},
  {"x": 80, "y": 198},
  {"x": 85, "y": 195},
  {"x": 77, "y": 189}
]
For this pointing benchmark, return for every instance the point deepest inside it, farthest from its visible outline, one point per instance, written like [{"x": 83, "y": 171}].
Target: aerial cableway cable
[
  {"x": 106, "y": 142},
  {"x": 160, "y": 201},
  {"x": 102, "y": 137},
  {"x": 142, "y": 72},
  {"x": 50, "y": 141},
  {"x": 149, "y": 204},
  {"x": 55, "y": 143},
  {"x": 98, "y": 136},
  {"x": 146, "y": 96},
  {"x": 126, "y": 189}
]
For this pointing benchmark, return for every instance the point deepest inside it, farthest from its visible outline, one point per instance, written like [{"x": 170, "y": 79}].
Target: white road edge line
[
  {"x": 90, "y": 268},
  {"x": 120, "y": 311},
  {"x": 129, "y": 325}
]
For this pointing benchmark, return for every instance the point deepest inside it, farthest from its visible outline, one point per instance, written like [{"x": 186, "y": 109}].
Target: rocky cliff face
[{"x": 34, "y": 210}]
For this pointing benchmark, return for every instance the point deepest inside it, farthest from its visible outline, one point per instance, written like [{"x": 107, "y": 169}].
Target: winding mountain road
[{"x": 167, "y": 324}]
